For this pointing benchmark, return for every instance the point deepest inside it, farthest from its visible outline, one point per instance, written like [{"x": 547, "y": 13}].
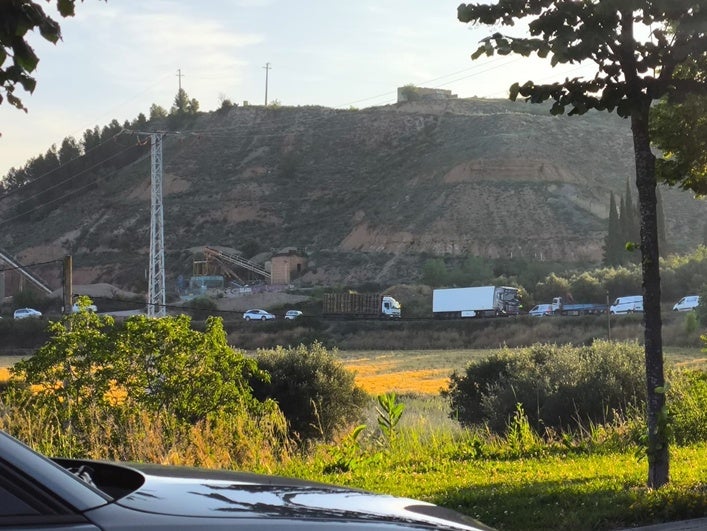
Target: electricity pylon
[{"x": 156, "y": 277}]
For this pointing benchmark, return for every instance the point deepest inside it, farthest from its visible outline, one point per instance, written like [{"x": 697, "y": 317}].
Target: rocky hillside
[{"x": 369, "y": 194}]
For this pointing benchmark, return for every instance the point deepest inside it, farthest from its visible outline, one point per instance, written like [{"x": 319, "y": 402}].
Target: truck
[
  {"x": 561, "y": 307},
  {"x": 360, "y": 305},
  {"x": 482, "y": 301}
]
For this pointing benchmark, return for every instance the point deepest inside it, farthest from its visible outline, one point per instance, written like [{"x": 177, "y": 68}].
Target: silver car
[
  {"x": 81, "y": 495},
  {"x": 26, "y": 313},
  {"x": 258, "y": 315}
]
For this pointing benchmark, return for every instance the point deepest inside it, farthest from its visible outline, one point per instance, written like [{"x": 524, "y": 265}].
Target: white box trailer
[{"x": 482, "y": 301}]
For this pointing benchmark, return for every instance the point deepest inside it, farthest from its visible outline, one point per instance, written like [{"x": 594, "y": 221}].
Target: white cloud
[{"x": 119, "y": 57}]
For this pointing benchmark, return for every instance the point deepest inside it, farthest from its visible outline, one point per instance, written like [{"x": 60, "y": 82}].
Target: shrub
[
  {"x": 701, "y": 309},
  {"x": 92, "y": 380},
  {"x": 557, "y": 386},
  {"x": 552, "y": 286},
  {"x": 152, "y": 364},
  {"x": 201, "y": 308},
  {"x": 687, "y": 403},
  {"x": 314, "y": 390},
  {"x": 587, "y": 288}
]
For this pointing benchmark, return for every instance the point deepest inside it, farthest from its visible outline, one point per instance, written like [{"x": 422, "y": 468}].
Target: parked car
[
  {"x": 690, "y": 302},
  {"x": 258, "y": 315},
  {"x": 630, "y": 304},
  {"x": 25, "y": 313},
  {"x": 73, "y": 494},
  {"x": 292, "y": 314},
  {"x": 541, "y": 309}
]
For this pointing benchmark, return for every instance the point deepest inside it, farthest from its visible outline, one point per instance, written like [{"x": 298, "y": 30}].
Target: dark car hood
[{"x": 189, "y": 492}]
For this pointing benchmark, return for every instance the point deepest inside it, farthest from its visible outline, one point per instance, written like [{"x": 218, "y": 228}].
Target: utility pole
[
  {"x": 179, "y": 75},
  {"x": 156, "y": 275},
  {"x": 267, "y": 68},
  {"x": 68, "y": 284}
]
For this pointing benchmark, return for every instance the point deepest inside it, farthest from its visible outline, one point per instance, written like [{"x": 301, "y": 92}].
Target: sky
[{"x": 117, "y": 58}]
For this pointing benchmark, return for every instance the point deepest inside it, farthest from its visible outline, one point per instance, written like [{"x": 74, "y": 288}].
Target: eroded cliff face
[{"x": 370, "y": 194}]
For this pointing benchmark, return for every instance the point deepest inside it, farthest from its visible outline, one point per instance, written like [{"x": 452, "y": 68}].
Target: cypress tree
[
  {"x": 613, "y": 244},
  {"x": 632, "y": 221},
  {"x": 662, "y": 241}
]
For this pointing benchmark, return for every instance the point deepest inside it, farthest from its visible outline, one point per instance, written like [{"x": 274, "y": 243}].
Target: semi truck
[
  {"x": 482, "y": 301},
  {"x": 360, "y": 305},
  {"x": 560, "y": 307}
]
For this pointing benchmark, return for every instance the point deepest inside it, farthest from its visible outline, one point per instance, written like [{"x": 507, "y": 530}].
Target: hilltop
[{"x": 369, "y": 194}]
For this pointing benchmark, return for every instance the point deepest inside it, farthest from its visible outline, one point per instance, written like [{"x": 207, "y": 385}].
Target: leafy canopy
[
  {"x": 17, "y": 58},
  {"x": 606, "y": 32},
  {"x": 152, "y": 364}
]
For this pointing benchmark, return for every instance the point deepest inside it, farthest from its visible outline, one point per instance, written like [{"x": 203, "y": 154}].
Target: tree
[
  {"x": 70, "y": 149},
  {"x": 679, "y": 129},
  {"x": 18, "y": 18},
  {"x": 631, "y": 73},
  {"x": 434, "y": 272},
  {"x": 183, "y": 105},
  {"x": 631, "y": 224},
  {"x": 613, "y": 243},
  {"x": 662, "y": 240},
  {"x": 157, "y": 112}
]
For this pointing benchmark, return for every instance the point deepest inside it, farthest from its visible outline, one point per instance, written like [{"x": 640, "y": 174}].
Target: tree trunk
[{"x": 658, "y": 457}]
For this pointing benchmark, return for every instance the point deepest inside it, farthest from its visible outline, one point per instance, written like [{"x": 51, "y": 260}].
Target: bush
[
  {"x": 314, "y": 390},
  {"x": 150, "y": 364},
  {"x": 152, "y": 389},
  {"x": 559, "y": 387},
  {"x": 552, "y": 286},
  {"x": 201, "y": 308},
  {"x": 687, "y": 403}
]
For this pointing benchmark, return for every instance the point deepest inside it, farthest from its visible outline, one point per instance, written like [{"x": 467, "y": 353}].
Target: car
[
  {"x": 258, "y": 315},
  {"x": 690, "y": 302},
  {"x": 292, "y": 314},
  {"x": 83, "y": 495},
  {"x": 25, "y": 313},
  {"x": 541, "y": 309}
]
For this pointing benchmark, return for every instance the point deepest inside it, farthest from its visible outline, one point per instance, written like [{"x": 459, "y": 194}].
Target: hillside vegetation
[{"x": 369, "y": 194}]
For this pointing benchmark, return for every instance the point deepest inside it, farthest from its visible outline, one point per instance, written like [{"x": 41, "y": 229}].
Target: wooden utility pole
[{"x": 68, "y": 285}]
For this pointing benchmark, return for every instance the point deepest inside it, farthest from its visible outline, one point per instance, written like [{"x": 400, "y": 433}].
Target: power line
[{"x": 37, "y": 264}]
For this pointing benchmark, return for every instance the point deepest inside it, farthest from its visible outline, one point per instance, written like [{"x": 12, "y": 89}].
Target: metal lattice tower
[{"x": 156, "y": 280}]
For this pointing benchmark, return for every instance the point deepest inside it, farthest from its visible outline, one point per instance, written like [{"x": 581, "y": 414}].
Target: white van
[
  {"x": 630, "y": 304},
  {"x": 687, "y": 303}
]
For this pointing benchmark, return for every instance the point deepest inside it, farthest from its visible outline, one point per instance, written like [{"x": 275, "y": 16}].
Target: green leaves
[
  {"x": 389, "y": 413},
  {"x": 19, "y": 18},
  {"x": 156, "y": 364}
]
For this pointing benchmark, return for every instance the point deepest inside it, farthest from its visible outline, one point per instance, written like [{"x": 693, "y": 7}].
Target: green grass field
[{"x": 587, "y": 482}]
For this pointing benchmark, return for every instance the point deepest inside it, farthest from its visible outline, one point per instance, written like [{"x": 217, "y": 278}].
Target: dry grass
[
  {"x": 423, "y": 372},
  {"x": 426, "y": 372}
]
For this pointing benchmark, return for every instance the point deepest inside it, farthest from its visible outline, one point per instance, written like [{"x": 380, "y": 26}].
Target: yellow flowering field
[{"x": 414, "y": 372}]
